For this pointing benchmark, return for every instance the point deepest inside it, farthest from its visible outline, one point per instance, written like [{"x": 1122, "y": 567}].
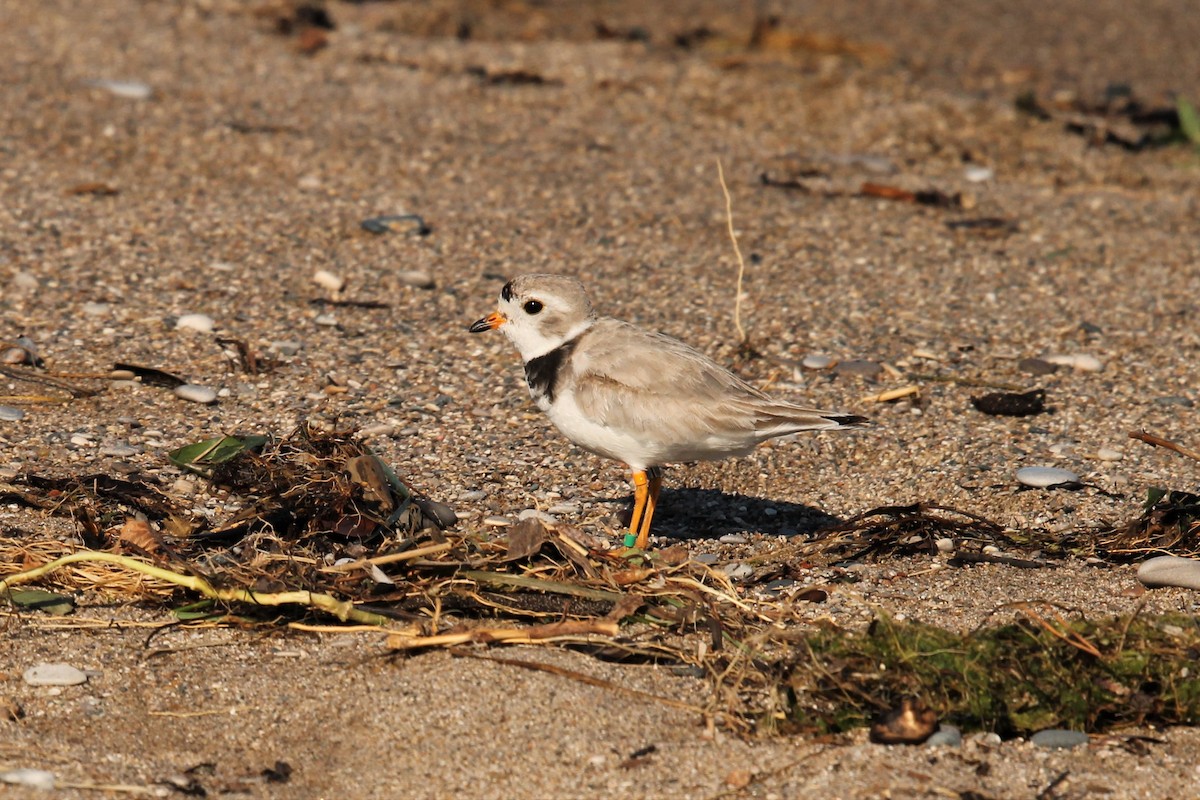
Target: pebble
[
  {"x": 706, "y": 558},
  {"x": 566, "y": 509},
  {"x": 326, "y": 320},
  {"x": 33, "y": 778},
  {"x": 416, "y": 277},
  {"x": 196, "y": 394},
  {"x": 328, "y": 280},
  {"x": 977, "y": 174},
  {"x": 130, "y": 90},
  {"x": 10, "y": 414},
  {"x": 1170, "y": 571},
  {"x": 1174, "y": 400},
  {"x": 1036, "y": 366},
  {"x": 287, "y": 348},
  {"x": 195, "y": 322},
  {"x": 1046, "y": 477},
  {"x": 441, "y": 514},
  {"x": 24, "y": 281},
  {"x": 533, "y": 513},
  {"x": 95, "y": 309},
  {"x": 473, "y": 496},
  {"x": 944, "y": 544},
  {"x": 733, "y": 538},
  {"x": 945, "y": 736},
  {"x": 738, "y": 571},
  {"x": 81, "y": 440},
  {"x": 1109, "y": 454},
  {"x": 1081, "y": 362},
  {"x": 816, "y": 361},
  {"x": 119, "y": 450},
  {"x": 1058, "y": 738},
  {"x": 498, "y": 522},
  {"x": 54, "y": 675}
]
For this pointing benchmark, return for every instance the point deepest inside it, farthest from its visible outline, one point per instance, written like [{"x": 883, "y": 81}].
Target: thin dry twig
[
  {"x": 737, "y": 251},
  {"x": 1158, "y": 441}
]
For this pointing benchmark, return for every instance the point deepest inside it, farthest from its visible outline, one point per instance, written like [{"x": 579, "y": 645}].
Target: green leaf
[
  {"x": 41, "y": 600},
  {"x": 211, "y": 452},
  {"x": 202, "y": 609},
  {"x": 1189, "y": 120}
]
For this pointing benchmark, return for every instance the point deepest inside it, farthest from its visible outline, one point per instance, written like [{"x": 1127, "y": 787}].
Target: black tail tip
[{"x": 848, "y": 420}]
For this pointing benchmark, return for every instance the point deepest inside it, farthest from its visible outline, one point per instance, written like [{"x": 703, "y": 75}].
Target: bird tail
[{"x": 846, "y": 421}]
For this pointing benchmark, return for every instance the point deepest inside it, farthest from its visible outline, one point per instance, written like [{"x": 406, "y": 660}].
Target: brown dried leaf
[{"x": 138, "y": 534}]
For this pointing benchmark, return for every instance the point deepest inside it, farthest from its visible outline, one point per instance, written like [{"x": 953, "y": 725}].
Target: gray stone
[
  {"x": 816, "y": 361},
  {"x": 1046, "y": 477},
  {"x": 196, "y": 394},
  {"x": 860, "y": 367},
  {"x": 1059, "y": 738},
  {"x": 10, "y": 414},
  {"x": 1170, "y": 571},
  {"x": 945, "y": 736},
  {"x": 1036, "y": 366}
]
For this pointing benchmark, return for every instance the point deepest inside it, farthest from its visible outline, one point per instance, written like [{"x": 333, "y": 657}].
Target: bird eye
[{"x": 533, "y": 306}]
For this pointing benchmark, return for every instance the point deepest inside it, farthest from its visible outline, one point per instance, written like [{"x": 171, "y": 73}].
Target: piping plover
[{"x": 633, "y": 396}]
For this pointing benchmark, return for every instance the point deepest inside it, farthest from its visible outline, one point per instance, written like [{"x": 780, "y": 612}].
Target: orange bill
[{"x": 490, "y": 322}]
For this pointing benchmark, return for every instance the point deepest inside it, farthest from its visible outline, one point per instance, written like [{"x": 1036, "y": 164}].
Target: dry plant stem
[
  {"x": 1158, "y": 441},
  {"x": 891, "y": 394},
  {"x": 407, "y": 555},
  {"x": 555, "y": 632},
  {"x": 737, "y": 251},
  {"x": 342, "y": 609}
]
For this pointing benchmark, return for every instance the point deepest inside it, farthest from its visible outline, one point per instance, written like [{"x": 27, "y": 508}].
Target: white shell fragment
[
  {"x": 326, "y": 279},
  {"x": 33, "y": 778},
  {"x": 10, "y": 414},
  {"x": 1046, "y": 477},
  {"x": 54, "y": 675},
  {"x": 130, "y": 90},
  {"x": 1081, "y": 362},
  {"x": 1170, "y": 571},
  {"x": 196, "y": 394},
  {"x": 195, "y": 322},
  {"x": 816, "y": 361}
]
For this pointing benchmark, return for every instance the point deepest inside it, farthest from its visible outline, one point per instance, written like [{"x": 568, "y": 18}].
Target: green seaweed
[{"x": 1013, "y": 679}]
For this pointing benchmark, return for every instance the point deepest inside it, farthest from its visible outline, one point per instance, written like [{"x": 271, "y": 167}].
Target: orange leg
[{"x": 646, "y": 487}]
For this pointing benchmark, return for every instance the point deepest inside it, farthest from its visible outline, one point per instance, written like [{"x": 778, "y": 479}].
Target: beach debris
[{"x": 1012, "y": 404}]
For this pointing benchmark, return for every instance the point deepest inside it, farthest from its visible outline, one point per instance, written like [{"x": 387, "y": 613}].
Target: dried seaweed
[{"x": 316, "y": 524}]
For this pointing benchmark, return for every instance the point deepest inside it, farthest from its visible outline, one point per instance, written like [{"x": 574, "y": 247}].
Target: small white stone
[
  {"x": 195, "y": 322},
  {"x": 10, "y": 414},
  {"x": 944, "y": 544},
  {"x": 977, "y": 174},
  {"x": 130, "y": 90},
  {"x": 118, "y": 450},
  {"x": 565, "y": 509},
  {"x": 54, "y": 675},
  {"x": 1081, "y": 362},
  {"x": 33, "y": 778},
  {"x": 328, "y": 280},
  {"x": 816, "y": 361},
  {"x": 1045, "y": 477},
  {"x": 196, "y": 394},
  {"x": 326, "y": 320},
  {"x": 416, "y": 277},
  {"x": 221, "y": 266},
  {"x": 81, "y": 440},
  {"x": 95, "y": 309},
  {"x": 733, "y": 538},
  {"x": 738, "y": 571},
  {"x": 1109, "y": 454},
  {"x": 1170, "y": 571}
]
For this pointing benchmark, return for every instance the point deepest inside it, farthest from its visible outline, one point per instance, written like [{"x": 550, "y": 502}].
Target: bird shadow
[{"x": 710, "y": 513}]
